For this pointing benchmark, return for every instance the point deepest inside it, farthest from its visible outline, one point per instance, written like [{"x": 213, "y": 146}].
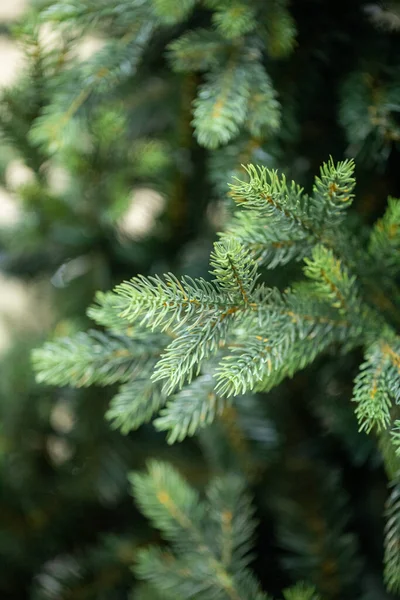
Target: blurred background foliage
[{"x": 121, "y": 124}]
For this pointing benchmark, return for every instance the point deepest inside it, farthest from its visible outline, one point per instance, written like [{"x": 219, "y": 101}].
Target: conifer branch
[
  {"x": 211, "y": 541},
  {"x": 98, "y": 75},
  {"x": 196, "y": 50},
  {"x": 232, "y": 515},
  {"x": 301, "y": 591},
  {"x": 233, "y": 19},
  {"x": 332, "y": 191},
  {"x": 392, "y": 540},
  {"x": 264, "y": 111},
  {"x": 169, "y": 12},
  {"x": 270, "y": 197},
  {"x": 183, "y": 357},
  {"x": 169, "y": 303},
  {"x": 384, "y": 245},
  {"x": 106, "y": 311},
  {"x": 136, "y": 402},
  {"x": 221, "y": 106},
  {"x": 295, "y": 330},
  {"x": 286, "y": 207},
  {"x": 194, "y": 407},
  {"x": 395, "y": 436},
  {"x": 279, "y": 29},
  {"x": 234, "y": 269},
  {"x": 374, "y": 386},
  {"x": 259, "y": 357},
  {"x": 267, "y": 244},
  {"x": 94, "y": 358},
  {"x": 333, "y": 282}
]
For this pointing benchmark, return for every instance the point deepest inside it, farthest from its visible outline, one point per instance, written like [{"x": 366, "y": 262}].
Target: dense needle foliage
[{"x": 245, "y": 338}]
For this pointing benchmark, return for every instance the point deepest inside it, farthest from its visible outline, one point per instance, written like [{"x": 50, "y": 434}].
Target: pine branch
[
  {"x": 332, "y": 191},
  {"x": 135, "y": 403},
  {"x": 173, "y": 578},
  {"x": 234, "y": 270},
  {"x": 278, "y": 29},
  {"x": 264, "y": 111},
  {"x": 171, "y": 505},
  {"x": 271, "y": 198},
  {"x": 106, "y": 311},
  {"x": 395, "y": 436},
  {"x": 234, "y": 19},
  {"x": 295, "y": 330},
  {"x": 210, "y": 540},
  {"x": 384, "y": 245},
  {"x": 182, "y": 359},
  {"x": 373, "y": 386},
  {"x": 368, "y": 114},
  {"x": 111, "y": 15},
  {"x": 221, "y": 105},
  {"x": 303, "y": 352},
  {"x": 194, "y": 407},
  {"x": 392, "y": 540},
  {"x": 201, "y": 312},
  {"x": 93, "y": 358},
  {"x": 170, "y": 303},
  {"x": 117, "y": 60},
  {"x": 301, "y": 591},
  {"x": 268, "y": 245},
  {"x": 196, "y": 50},
  {"x": 333, "y": 282},
  {"x": 169, "y": 12},
  {"x": 232, "y": 523},
  {"x": 259, "y": 357},
  {"x": 287, "y": 208}
]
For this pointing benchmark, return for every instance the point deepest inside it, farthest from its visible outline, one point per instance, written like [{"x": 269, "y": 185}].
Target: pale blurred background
[
  {"x": 15, "y": 297},
  {"x": 26, "y": 306}
]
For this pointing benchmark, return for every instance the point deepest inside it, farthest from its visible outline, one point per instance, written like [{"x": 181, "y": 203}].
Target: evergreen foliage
[
  {"x": 253, "y": 331},
  {"x": 277, "y": 370},
  {"x": 392, "y": 538},
  {"x": 235, "y": 335},
  {"x": 210, "y": 540}
]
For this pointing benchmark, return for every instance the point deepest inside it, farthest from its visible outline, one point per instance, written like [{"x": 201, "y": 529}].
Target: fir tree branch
[
  {"x": 170, "y": 503},
  {"x": 233, "y": 19},
  {"x": 333, "y": 282},
  {"x": 170, "y": 303},
  {"x": 233, "y": 524},
  {"x": 211, "y": 541},
  {"x": 268, "y": 245},
  {"x": 375, "y": 386},
  {"x": 182, "y": 359},
  {"x": 93, "y": 358},
  {"x": 332, "y": 191},
  {"x": 395, "y": 436},
  {"x": 221, "y": 105},
  {"x": 270, "y": 197},
  {"x": 392, "y": 540},
  {"x": 234, "y": 269},
  {"x": 301, "y": 591},
  {"x": 196, "y": 50},
  {"x": 106, "y": 311},
  {"x": 194, "y": 407},
  {"x": 384, "y": 245},
  {"x": 169, "y": 12},
  {"x": 264, "y": 111},
  {"x": 135, "y": 403},
  {"x": 99, "y": 74},
  {"x": 292, "y": 339}
]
